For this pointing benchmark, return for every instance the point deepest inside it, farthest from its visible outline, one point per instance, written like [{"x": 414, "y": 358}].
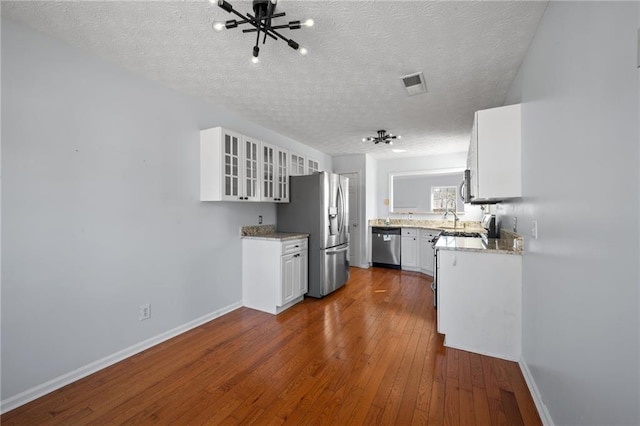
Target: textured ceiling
[{"x": 346, "y": 88}]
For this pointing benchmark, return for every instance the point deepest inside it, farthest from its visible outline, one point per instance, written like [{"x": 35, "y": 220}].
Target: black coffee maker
[{"x": 489, "y": 223}]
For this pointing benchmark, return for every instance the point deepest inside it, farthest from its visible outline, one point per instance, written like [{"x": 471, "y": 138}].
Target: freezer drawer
[
  {"x": 334, "y": 268},
  {"x": 385, "y": 247}
]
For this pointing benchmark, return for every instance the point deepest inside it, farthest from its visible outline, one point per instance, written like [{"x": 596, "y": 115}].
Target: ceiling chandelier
[
  {"x": 264, "y": 11},
  {"x": 382, "y": 137}
]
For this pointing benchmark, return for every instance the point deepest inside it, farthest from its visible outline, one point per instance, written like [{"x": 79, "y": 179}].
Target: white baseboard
[
  {"x": 535, "y": 393},
  {"x": 48, "y": 387}
]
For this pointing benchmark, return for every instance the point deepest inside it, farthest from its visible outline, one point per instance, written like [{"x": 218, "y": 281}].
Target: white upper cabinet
[
  {"x": 312, "y": 166},
  {"x": 297, "y": 165},
  {"x": 274, "y": 162},
  {"x": 228, "y": 166},
  {"x": 494, "y": 157},
  {"x": 235, "y": 167},
  {"x": 249, "y": 170},
  {"x": 282, "y": 177}
]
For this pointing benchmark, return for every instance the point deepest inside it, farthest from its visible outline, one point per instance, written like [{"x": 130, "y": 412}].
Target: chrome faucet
[{"x": 446, "y": 212}]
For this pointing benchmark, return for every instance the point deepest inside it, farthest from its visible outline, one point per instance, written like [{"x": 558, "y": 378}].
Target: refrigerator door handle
[
  {"x": 341, "y": 207},
  {"x": 337, "y": 251}
]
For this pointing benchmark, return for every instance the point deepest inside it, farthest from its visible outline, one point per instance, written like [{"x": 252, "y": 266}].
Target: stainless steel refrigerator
[{"x": 319, "y": 206}]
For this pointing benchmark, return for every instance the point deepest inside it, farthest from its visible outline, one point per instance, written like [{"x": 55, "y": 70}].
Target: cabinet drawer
[
  {"x": 407, "y": 232},
  {"x": 294, "y": 246}
]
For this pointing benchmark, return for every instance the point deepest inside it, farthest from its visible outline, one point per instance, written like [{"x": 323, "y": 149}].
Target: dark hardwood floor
[{"x": 367, "y": 354}]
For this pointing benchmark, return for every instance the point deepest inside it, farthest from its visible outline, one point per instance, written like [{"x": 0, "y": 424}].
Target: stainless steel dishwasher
[{"x": 385, "y": 247}]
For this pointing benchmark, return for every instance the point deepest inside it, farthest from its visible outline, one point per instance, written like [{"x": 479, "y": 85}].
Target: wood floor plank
[
  {"x": 467, "y": 413},
  {"x": 436, "y": 406},
  {"x": 477, "y": 375},
  {"x": 526, "y": 406},
  {"x": 452, "y": 403},
  {"x": 366, "y": 354},
  {"x": 510, "y": 406},
  {"x": 464, "y": 371},
  {"x": 481, "y": 407}
]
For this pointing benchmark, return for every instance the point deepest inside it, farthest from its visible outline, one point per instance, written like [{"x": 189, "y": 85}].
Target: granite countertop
[
  {"x": 268, "y": 232},
  {"x": 438, "y": 225},
  {"x": 506, "y": 245},
  {"x": 280, "y": 236}
]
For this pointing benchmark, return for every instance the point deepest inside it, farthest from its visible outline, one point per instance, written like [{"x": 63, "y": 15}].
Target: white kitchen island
[{"x": 480, "y": 295}]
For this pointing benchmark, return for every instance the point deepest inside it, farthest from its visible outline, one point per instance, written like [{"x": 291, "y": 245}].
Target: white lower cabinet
[
  {"x": 274, "y": 273},
  {"x": 425, "y": 250},
  {"x": 479, "y": 302},
  {"x": 409, "y": 249}
]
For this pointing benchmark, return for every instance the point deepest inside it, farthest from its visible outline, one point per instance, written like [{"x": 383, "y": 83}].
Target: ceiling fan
[{"x": 383, "y": 136}]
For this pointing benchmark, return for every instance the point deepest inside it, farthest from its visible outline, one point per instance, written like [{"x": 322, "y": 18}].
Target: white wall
[
  {"x": 100, "y": 211},
  {"x": 581, "y": 182},
  {"x": 408, "y": 164}
]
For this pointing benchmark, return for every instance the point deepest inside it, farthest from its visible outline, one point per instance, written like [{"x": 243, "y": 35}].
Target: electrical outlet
[
  {"x": 534, "y": 229},
  {"x": 145, "y": 311},
  {"x": 259, "y": 220}
]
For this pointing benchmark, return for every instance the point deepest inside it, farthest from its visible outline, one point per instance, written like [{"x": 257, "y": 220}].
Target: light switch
[{"x": 534, "y": 229}]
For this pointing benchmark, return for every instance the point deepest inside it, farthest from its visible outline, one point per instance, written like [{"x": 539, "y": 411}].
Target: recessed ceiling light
[{"x": 398, "y": 150}]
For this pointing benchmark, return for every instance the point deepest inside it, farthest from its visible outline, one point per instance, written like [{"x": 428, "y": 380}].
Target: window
[{"x": 443, "y": 198}]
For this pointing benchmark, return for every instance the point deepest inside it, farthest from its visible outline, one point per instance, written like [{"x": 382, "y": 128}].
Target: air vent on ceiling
[{"x": 414, "y": 83}]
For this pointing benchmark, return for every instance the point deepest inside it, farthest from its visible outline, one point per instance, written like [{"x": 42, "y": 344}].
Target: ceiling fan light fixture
[
  {"x": 262, "y": 23},
  {"x": 383, "y": 136}
]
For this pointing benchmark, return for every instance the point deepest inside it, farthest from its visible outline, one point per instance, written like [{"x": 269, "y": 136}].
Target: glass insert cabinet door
[
  {"x": 313, "y": 166},
  {"x": 231, "y": 154},
  {"x": 268, "y": 165},
  {"x": 282, "y": 190},
  {"x": 250, "y": 188},
  {"x": 297, "y": 165}
]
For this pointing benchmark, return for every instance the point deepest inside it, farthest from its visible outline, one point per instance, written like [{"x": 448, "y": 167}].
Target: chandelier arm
[
  {"x": 244, "y": 21},
  {"x": 253, "y": 18},
  {"x": 267, "y": 23},
  {"x": 280, "y": 35},
  {"x": 279, "y": 27},
  {"x": 238, "y": 14},
  {"x": 253, "y": 30}
]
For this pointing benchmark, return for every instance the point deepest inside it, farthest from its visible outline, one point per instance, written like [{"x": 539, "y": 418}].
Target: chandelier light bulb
[
  {"x": 309, "y": 22},
  {"x": 255, "y": 59},
  {"x": 213, "y": 1},
  {"x": 218, "y": 26},
  {"x": 364, "y": 139},
  {"x": 390, "y": 142},
  {"x": 303, "y": 51},
  {"x": 274, "y": 2}
]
